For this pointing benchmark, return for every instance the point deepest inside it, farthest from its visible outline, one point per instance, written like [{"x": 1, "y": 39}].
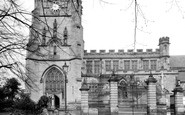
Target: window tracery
[{"x": 54, "y": 81}]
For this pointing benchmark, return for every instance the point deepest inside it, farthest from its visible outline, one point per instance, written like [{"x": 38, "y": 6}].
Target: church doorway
[
  {"x": 54, "y": 85},
  {"x": 57, "y": 101}
]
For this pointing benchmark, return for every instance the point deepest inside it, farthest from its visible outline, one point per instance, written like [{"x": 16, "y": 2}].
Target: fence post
[
  {"x": 84, "y": 99},
  {"x": 178, "y": 93},
  {"x": 113, "y": 95},
  {"x": 151, "y": 98}
]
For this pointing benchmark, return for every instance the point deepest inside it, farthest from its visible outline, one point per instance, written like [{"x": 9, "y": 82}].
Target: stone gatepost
[
  {"x": 113, "y": 84},
  {"x": 84, "y": 99},
  {"x": 178, "y": 93},
  {"x": 151, "y": 98}
]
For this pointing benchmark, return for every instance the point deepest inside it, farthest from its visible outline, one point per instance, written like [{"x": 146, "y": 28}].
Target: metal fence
[
  {"x": 99, "y": 101},
  {"x": 132, "y": 98}
]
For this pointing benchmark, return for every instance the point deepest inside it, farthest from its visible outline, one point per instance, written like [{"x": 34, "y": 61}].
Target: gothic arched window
[{"x": 54, "y": 81}]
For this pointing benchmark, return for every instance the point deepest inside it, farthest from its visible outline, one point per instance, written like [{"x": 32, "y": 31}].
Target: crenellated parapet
[
  {"x": 164, "y": 40},
  {"x": 121, "y": 52}
]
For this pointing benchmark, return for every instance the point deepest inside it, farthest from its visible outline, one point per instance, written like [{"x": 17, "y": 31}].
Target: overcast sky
[{"x": 111, "y": 25}]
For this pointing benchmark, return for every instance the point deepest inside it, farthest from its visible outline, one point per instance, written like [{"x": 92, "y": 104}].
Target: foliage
[
  {"x": 43, "y": 101},
  {"x": 13, "y": 99},
  {"x": 8, "y": 93},
  {"x": 11, "y": 88},
  {"x": 25, "y": 104},
  {"x": 13, "y": 41}
]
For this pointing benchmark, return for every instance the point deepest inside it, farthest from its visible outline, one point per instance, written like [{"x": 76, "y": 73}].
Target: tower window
[
  {"x": 55, "y": 50},
  {"x": 55, "y": 29},
  {"x": 65, "y": 35},
  {"x": 165, "y": 47},
  {"x": 44, "y": 36}
]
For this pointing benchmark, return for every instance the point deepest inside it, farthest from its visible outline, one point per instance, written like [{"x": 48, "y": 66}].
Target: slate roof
[
  {"x": 177, "y": 61},
  {"x": 181, "y": 76}
]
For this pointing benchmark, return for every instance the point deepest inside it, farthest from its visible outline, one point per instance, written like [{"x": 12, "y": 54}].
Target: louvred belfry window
[{"x": 54, "y": 81}]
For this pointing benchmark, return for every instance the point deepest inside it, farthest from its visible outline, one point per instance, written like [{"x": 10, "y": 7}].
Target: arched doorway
[
  {"x": 122, "y": 91},
  {"x": 57, "y": 101},
  {"x": 54, "y": 85}
]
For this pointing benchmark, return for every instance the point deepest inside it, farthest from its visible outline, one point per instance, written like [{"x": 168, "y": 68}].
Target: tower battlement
[
  {"x": 163, "y": 40},
  {"x": 121, "y": 51}
]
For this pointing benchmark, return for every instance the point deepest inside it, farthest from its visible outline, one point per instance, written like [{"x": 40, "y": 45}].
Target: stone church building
[{"x": 97, "y": 82}]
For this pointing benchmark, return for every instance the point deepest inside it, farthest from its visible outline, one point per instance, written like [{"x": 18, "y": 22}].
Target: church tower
[{"x": 56, "y": 39}]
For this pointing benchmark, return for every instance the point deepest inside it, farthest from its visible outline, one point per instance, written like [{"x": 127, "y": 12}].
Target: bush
[
  {"x": 25, "y": 104},
  {"x": 43, "y": 102}
]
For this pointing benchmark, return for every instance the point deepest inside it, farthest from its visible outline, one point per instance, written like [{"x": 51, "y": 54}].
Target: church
[{"x": 98, "y": 82}]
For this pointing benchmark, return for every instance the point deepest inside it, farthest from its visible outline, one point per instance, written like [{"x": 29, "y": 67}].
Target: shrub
[
  {"x": 43, "y": 102},
  {"x": 25, "y": 104}
]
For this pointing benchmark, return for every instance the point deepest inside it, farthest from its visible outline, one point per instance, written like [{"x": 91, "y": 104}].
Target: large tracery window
[{"x": 54, "y": 81}]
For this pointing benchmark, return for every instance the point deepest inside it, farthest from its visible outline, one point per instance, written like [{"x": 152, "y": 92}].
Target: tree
[
  {"x": 11, "y": 88},
  {"x": 25, "y": 104},
  {"x": 8, "y": 93},
  {"x": 13, "y": 40},
  {"x": 14, "y": 23},
  {"x": 12, "y": 98}
]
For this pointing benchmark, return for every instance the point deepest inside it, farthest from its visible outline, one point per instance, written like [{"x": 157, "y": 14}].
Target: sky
[{"x": 110, "y": 24}]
